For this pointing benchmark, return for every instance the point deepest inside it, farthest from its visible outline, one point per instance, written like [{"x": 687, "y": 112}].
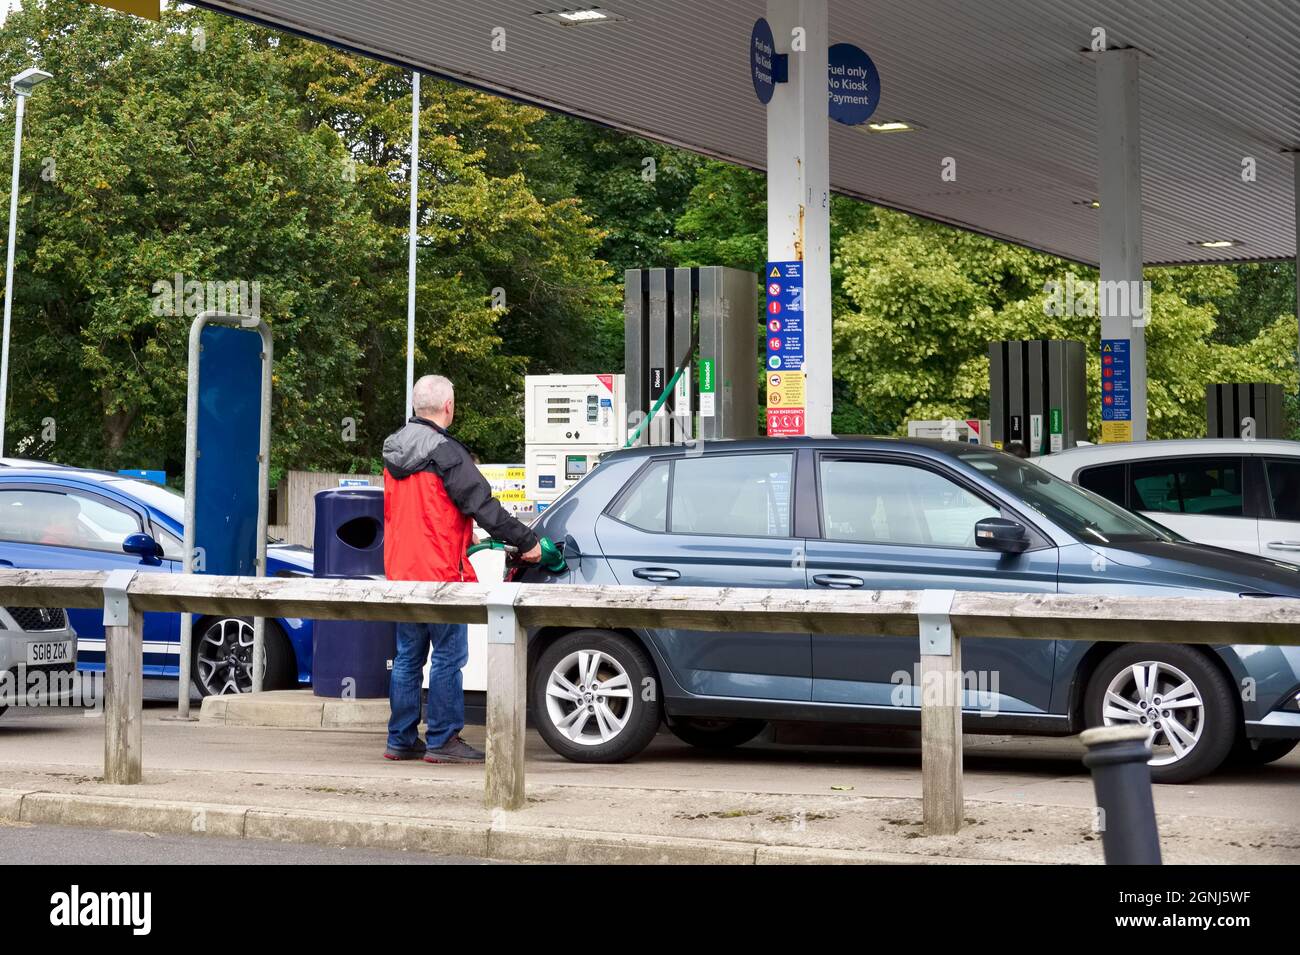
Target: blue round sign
[
  {"x": 853, "y": 84},
  {"x": 762, "y": 54}
]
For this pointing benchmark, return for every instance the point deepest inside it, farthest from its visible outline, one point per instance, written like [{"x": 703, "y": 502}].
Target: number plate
[{"x": 50, "y": 651}]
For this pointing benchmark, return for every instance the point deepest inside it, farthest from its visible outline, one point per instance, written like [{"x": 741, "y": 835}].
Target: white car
[{"x": 1229, "y": 492}]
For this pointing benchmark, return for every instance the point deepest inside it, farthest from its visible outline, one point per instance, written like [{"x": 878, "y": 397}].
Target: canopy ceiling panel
[{"x": 1004, "y": 87}]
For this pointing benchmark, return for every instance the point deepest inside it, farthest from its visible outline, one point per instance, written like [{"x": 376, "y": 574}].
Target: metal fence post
[
  {"x": 941, "y": 699},
  {"x": 1121, "y": 778},
  {"x": 507, "y": 680},
  {"x": 123, "y": 681}
]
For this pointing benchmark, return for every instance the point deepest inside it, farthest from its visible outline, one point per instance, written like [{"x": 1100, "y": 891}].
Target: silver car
[{"x": 38, "y": 657}]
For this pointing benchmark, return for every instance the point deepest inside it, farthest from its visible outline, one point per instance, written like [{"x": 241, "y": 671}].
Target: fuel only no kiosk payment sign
[{"x": 784, "y": 367}]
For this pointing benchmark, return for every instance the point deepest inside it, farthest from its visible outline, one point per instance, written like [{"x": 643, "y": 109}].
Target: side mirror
[
  {"x": 1000, "y": 534},
  {"x": 143, "y": 546}
]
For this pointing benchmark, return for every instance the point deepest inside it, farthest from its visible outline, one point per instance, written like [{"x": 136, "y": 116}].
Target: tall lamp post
[
  {"x": 414, "y": 233},
  {"x": 22, "y": 85}
]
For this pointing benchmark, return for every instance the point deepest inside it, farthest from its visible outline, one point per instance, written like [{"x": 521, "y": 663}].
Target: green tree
[
  {"x": 159, "y": 149},
  {"x": 925, "y": 300}
]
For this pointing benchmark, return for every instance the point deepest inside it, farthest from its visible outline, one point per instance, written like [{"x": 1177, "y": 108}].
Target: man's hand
[{"x": 534, "y": 555}]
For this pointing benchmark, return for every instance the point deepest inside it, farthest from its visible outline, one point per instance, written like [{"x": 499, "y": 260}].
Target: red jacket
[{"x": 433, "y": 494}]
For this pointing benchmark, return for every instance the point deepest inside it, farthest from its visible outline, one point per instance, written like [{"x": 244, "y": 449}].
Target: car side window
[
  {"x": 64, "y": 519},
  {"x": 875, "y": 502},
  {"x": 1209, "y": 486},
  {"x": 740, "y": 495},
  {"x": 645, "y": 505},
  {"x": 1284, "y": 488},
  {"x": 1106, "y": 480}
]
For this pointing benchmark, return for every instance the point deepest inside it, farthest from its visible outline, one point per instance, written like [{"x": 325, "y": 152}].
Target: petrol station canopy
[{"x": 1007, "y": 88}]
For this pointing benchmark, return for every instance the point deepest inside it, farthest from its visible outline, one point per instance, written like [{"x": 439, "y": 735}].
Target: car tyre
[
  {"x": 235, "y": 636},
  {"x": 594, "y": 697},
  {"x": 715, "y": 734},
  {"x": 1128, "y": 687}
]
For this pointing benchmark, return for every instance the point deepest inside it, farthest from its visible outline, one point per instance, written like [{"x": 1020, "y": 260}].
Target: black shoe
[
  {"x": 397, "y": 752},
  {"x": 455, "y": 750}
]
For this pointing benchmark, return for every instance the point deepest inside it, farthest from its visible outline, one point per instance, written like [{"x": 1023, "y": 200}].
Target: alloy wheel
[
  {"x": 589, "y": 697},
  {"x": 1162, "y": 698},
  {"x": 224, "y": 657}
]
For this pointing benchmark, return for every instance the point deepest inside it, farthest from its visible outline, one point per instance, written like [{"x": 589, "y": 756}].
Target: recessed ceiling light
[
  {"x": 581, "y": 17},
  {"x": 893, "y": 126},
  {"x": 1217, "y": 243},
  {"x": 1090, "y": 203}
]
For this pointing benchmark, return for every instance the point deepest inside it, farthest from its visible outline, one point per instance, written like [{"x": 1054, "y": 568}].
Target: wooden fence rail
[{"x": 939, "y": 619}]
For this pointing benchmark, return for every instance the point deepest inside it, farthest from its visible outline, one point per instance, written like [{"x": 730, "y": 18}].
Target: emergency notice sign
[{"x": 785, "y": 349}]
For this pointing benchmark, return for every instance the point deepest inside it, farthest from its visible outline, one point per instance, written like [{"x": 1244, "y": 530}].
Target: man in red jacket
[{"x": 433, "y": 494}]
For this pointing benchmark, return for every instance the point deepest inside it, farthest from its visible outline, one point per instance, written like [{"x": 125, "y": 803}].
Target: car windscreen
[
  {"x": 155, "y": 496},
  {"x": 1088, "y": 516}
]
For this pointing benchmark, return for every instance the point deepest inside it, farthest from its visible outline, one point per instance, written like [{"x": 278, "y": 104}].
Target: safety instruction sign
[
  {"x": 785, "y": 348},
  {"x": 1116, "y": 393},
  {"x": 785, "y": 389}
]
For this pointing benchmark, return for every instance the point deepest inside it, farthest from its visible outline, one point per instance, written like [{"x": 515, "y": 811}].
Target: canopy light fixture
[
  {"x": 893, "y": 126},
  {"x": 22, "y": 83},
  {"x": 1218, "y": 243},
  {"x": 581, "y": 17}
]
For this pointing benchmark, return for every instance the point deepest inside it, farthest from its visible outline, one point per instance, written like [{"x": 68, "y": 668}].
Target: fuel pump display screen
[{"x": 575, "y": 466}]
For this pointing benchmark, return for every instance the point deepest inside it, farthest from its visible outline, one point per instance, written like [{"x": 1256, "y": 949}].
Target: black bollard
[{"x": 1121, "y": 778}]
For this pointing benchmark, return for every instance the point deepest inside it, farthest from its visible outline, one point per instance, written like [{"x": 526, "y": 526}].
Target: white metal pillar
[
  {"x": 798, "y": 186},
  {"x": 1119, "y": 153},
  {"x": 412, "y": 239}
]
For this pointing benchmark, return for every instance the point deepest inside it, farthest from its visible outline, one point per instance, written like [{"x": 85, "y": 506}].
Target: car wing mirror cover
[{"x": 1001, "y": 534}]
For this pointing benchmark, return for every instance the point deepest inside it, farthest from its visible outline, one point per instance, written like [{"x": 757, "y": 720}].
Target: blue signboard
[
  {"x": 784, "y": 281},
  {"x": 157, "y": 477},
  {"x": 763, "y": 60},
  {"x": 854, "y": 84},
  {"x": 229, "y": 433},
  {"x": 1115, "y": 383}
]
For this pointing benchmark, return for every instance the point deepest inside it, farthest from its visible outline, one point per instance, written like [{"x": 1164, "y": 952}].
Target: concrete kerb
[{"x": 496, "y": 841}]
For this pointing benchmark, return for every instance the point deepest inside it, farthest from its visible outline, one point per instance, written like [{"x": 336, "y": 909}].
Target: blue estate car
[
  {"x": 73, "y": 519},
  {"x": 827, "y": 513}
]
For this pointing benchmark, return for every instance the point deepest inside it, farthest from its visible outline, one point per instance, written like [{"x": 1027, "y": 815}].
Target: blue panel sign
[
  {"x": 1115, "y": 393},
  {"x": 853, "y": 84},
  {"x": 354, "y": 482},
  {"x": 763, "y": 60},
  {"x": 784, "y": 281},
  {"x": 229, "y": 432},
  {"x": 157, "y": 477}
]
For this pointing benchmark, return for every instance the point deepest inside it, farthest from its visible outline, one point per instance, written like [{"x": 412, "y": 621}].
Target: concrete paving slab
[{"x": 1028, "y": 800}]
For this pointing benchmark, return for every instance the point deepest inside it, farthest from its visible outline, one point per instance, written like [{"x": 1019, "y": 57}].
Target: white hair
[{"x": 431, "y": 393}]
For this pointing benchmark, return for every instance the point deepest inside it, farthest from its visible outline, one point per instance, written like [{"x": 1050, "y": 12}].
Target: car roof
[
  {"x": 20, "y": 468},
  {"x": 1177, "y": 447},
  {"x": 933, "y": 446}
]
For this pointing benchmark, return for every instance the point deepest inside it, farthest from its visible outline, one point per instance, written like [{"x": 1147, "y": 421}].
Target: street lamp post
[{"x": 22, "y": 84}]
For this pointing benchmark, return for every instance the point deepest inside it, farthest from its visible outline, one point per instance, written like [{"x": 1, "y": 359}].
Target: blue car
[
  {"x": 72, "y": 519},
  {"x": 839, "y": 514}
]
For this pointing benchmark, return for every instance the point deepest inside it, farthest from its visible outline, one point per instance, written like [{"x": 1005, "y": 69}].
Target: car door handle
[
  {"x": 1284, "y": 545},
  {"x": 838, "y": 581},
  {"x": 656, "y": 573}
]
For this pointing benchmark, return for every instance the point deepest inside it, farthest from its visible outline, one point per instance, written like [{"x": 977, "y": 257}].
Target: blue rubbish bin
[{"x": 351, "y": 658}]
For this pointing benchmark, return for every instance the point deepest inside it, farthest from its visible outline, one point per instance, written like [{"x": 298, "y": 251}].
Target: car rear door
[
  {"x": 715, "y": 520},
  {"x": 900, "y": 522},
  {"x": 1205, "y": 498},
  {"x": 1279, "y": 528},
  {"x": 54, "y": 526}
]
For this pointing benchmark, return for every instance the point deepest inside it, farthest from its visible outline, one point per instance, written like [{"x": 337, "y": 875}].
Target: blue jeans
[{"x": 445, "y": 713}]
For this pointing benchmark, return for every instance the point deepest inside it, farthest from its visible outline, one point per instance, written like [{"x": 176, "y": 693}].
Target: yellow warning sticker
[
  {"x": 785, "y": 389},
  {"x": 1116, "y": 431}
]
